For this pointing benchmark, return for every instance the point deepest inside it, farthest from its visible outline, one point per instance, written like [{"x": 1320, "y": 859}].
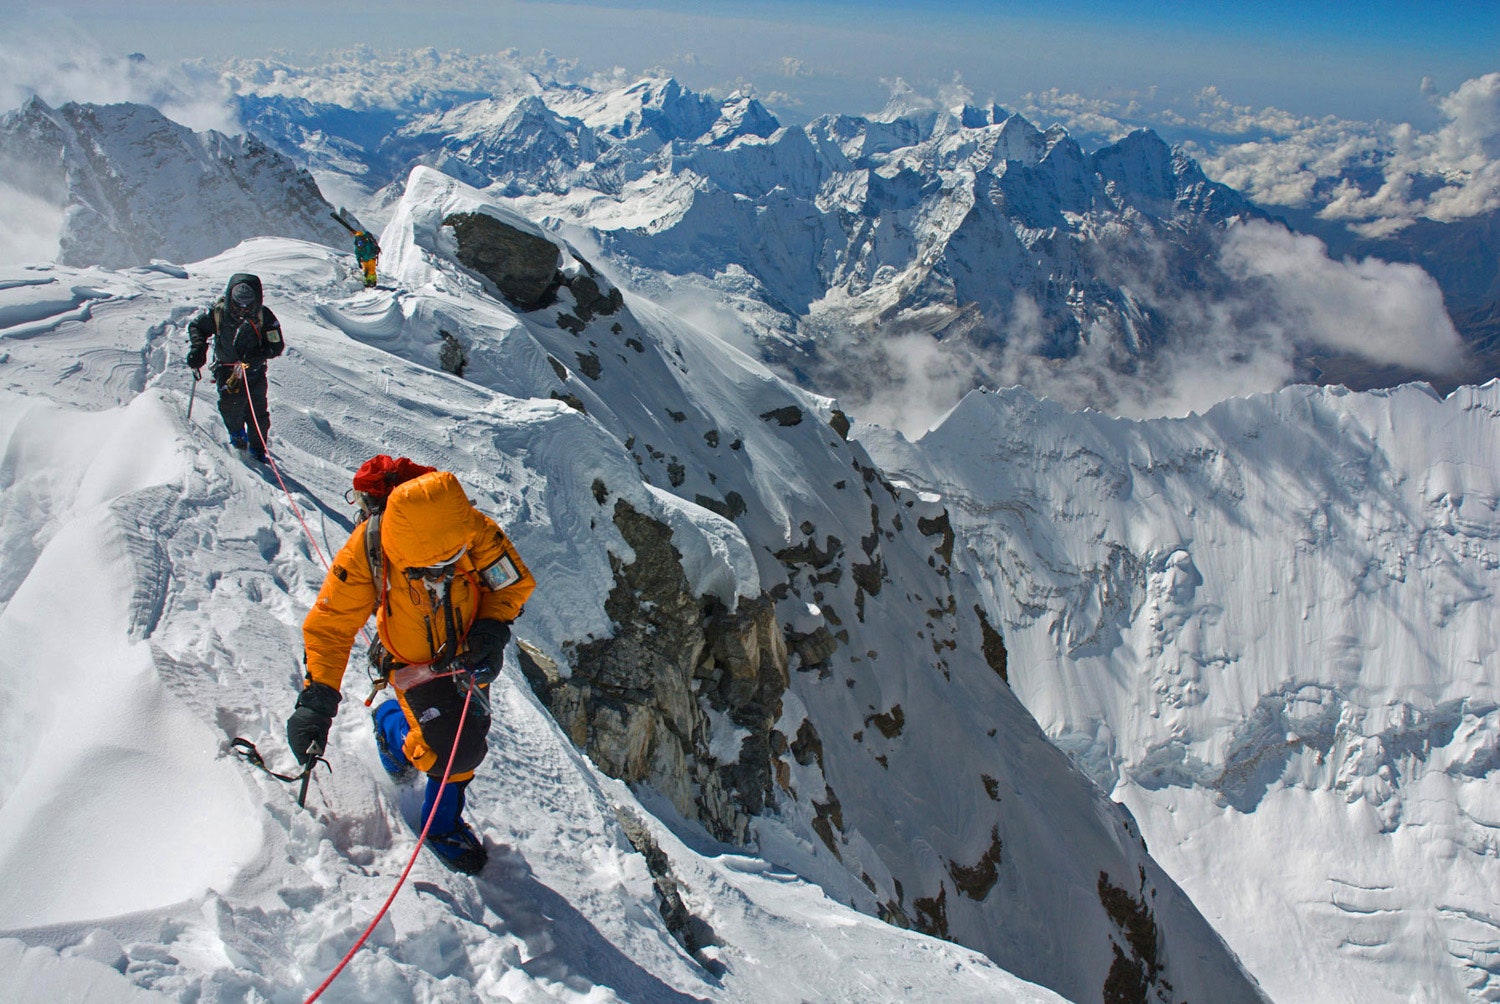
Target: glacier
[{"x": 1267, "y": 629}]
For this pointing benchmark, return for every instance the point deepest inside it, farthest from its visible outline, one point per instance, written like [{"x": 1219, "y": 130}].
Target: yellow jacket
[{"x": 426, "y": 521}]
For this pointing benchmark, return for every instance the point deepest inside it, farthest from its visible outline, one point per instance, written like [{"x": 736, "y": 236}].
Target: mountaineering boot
[
  {"x": 460, "y": 849},
  {"x": 452, "y": 839},
  {"x": 258, "y": 451},
  {"x": 239, "y": 439},
  {"x": 390, "y": 734}
]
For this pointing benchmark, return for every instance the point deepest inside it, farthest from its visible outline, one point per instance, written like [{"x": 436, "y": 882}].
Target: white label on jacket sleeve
[{"x": 501, "y": 574}]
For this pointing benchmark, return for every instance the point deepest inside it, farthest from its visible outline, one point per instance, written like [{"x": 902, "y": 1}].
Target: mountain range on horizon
[
  {"x": 926, "y": 250},
  {"x": 1006, "y": 244}
]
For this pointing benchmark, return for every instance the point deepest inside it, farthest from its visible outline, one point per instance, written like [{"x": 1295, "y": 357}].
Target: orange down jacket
[{"x": 426, "y": 521}]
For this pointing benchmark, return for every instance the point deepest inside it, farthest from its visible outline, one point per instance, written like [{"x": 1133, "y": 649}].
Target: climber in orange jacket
[{"x": 444, "y": 583}]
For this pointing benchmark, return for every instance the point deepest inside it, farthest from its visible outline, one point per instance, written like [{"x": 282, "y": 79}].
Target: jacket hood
[
  {"x": 253, "y": 281},
  {"x": 428, "y": 520}
]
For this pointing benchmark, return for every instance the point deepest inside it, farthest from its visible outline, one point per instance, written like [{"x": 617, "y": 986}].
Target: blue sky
[{"x": 1362, "y": 60}]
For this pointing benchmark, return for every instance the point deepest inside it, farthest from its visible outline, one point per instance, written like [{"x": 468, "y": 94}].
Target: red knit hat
[{"x": 378, "y": 475}]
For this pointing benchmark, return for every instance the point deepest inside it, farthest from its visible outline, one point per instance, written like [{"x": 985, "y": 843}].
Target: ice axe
[
  {"x": 246, "y": 750},
  {"x": 193, "y": 394},
  {"x": 313, "y": 756}
]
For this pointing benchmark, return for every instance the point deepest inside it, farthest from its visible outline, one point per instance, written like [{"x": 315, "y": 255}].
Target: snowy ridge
[
  {"x": 1267, "y": 630},
  {"x": 188, "y": 574}
]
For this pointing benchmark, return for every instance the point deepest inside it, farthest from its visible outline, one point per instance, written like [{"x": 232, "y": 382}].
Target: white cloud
[
  {"x": 32, "y": 227},
  {"x": 1471, "y": 138},
  {"x": 363, "y": 79},
  {"x": 29, "y": 65},
  {"x": 1388, "y": 313},
  {"x": 1077, "y": 113},
  {"x": 1288, "y": 300},
  {"x": 1463, "y": 154},
  {"x": 922, "y": 380}
]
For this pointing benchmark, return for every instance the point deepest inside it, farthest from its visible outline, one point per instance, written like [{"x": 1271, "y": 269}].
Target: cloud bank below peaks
[
  {"x": 425, "y": 79},
  {"x": 67, "y": 66},
  {"x": 1284, "y": 304},
  {"x": 1376, "y": 177},
  {"x": 1389, "y": 314}
]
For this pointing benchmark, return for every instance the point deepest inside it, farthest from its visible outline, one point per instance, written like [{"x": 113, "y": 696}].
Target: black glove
[
  {"x": 197, "y": 355},
  {"x": 486, "y": 653},
  {"x": 310, "y": 721}
]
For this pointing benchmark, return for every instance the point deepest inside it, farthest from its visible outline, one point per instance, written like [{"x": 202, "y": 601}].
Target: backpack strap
[
  {"x": 374, "y": 554},
  {"x": 220, "y": 311}
]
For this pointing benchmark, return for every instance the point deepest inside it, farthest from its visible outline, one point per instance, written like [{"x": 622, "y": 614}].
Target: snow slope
[
  {"x": 153, "y": 587},
  {"x": 161, "y": 583},
  {"x": 1268, "y": 630}
]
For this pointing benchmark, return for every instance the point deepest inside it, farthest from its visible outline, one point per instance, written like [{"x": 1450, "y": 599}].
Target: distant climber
[
  {"x": 366, "y": 249},
  {"x": 245, "y": 334},
  {"x": 444, "y": 583}
]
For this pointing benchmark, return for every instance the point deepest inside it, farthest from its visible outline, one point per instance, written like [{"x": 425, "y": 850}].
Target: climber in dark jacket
[{"x": 244, "y": 334}]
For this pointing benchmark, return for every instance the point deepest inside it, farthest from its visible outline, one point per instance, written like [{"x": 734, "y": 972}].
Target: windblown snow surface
[
  {"x": 153, "y": 586},
  {"x": 1270, "y": 631}
]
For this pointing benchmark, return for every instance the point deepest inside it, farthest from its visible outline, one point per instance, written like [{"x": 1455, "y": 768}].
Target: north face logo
[{"x": 429, "y": 715}]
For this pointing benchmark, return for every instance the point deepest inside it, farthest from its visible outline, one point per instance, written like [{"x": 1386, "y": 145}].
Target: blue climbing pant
[{"x": 394, "y": 727}]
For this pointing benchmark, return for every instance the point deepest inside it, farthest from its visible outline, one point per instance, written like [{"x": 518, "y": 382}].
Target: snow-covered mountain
[
  {"x": 1268, "y": 630},
  {"x": 739, "y": 616},
  {"x": 1262, "y": 629},
  {"x": 969, "y": 224},
  {"x": 135, "y": 185},
  {"x": 926, "y": 249}
]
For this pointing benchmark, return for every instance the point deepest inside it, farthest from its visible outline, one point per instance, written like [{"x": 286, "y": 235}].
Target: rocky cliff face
[
  {"x": 846, "y": 710},
  {"x": 684, "y": 696},
  {"x": 138, "y": 186}
]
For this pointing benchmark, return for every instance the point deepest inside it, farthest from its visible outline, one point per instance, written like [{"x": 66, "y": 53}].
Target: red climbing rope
[
  {"x": 259, "y": 432},
  {"x": 468, "y": 693}
]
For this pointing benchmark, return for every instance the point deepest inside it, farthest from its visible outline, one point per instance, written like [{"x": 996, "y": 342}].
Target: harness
[
  {"x": 225, "y": 338},
  {"x": 437, "y": 584}
]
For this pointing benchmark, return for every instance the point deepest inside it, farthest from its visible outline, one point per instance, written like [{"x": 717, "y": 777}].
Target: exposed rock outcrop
[
  {"x": 522, "y": 265},
  {"x": 685, "y": 695},
  {"x": 526, "y": 267}
]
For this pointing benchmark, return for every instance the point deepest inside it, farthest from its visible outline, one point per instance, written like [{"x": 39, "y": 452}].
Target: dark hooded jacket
[
  {"x": 240, "y": 332},
  {"x": 365, "y": 247}
]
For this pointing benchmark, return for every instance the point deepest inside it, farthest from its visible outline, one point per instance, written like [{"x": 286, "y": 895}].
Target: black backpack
[{"x": 245, "y": 343}]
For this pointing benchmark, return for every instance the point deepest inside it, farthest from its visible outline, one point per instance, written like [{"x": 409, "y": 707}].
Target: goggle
[
  {"x": 367, "y": 503},
  {"x": 439, "y": 571},
  {"x": 243, "y": 295}
]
